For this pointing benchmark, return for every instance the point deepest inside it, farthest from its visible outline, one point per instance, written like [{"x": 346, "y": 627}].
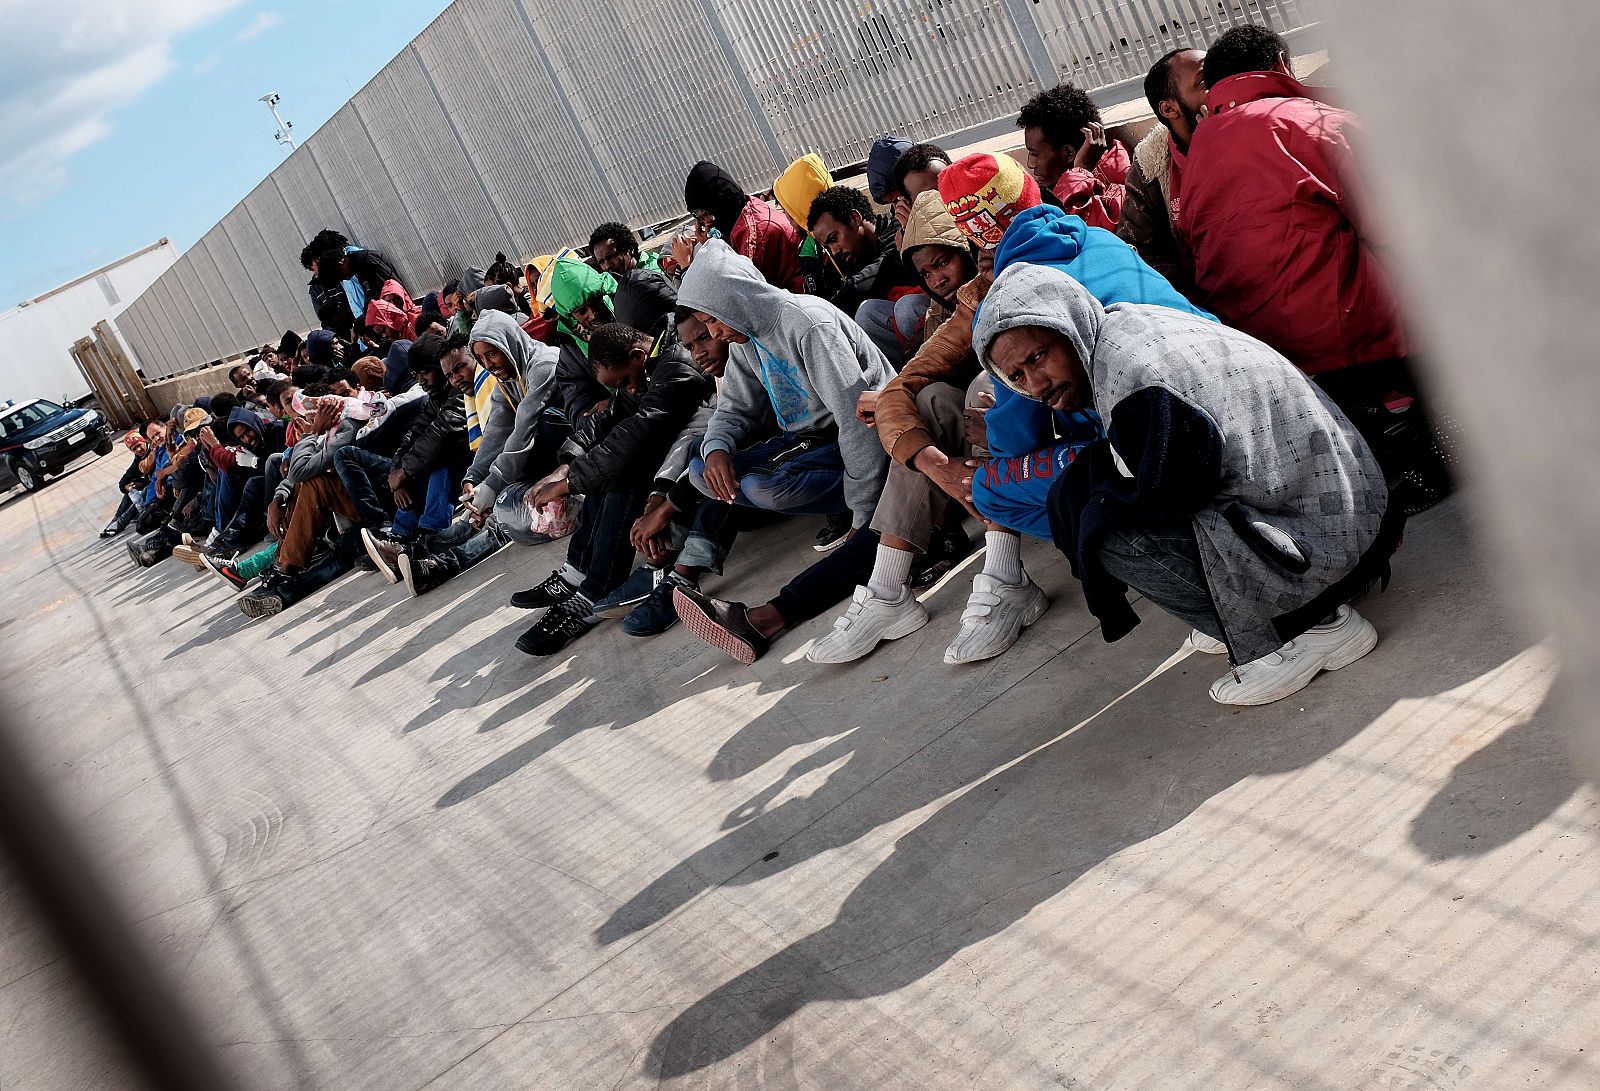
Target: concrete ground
[{"x": 380, "y": 848}]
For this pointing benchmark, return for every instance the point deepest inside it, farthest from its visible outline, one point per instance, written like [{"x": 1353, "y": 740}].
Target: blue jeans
[
  {"x": 600, "y": 546},
  {"x": 894, "y": 326},
  {"x": 458, "y": 548},
  {"x": 1163, "y": 564},
  {"x": 359, "y": 472},
  {"x": 811, "y": 483},
  {"x": 438, "y": 504}
]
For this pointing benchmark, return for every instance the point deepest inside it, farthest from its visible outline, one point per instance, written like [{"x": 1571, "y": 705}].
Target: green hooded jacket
[{"x": 573, "y": 283}]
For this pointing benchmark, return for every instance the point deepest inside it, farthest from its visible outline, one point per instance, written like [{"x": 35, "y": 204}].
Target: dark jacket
[
  {"x": 637, "y": 433},
  {"x": 878, "y": 275},
  {"x": 133, "y": 476},
  {"x": 269, "y": 435},
  {"x": 644, "y": 300},
  {"x": 328, "y": 299},
  {"x": 577, "y": 390},
  {"x": 437, "y": 437}
]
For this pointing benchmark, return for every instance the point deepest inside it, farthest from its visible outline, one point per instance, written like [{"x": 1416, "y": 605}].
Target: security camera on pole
[{"x": 285, "y": 133}]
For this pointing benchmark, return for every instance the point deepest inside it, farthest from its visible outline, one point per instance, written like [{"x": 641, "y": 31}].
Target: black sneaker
[
  {"x": 723, "y": 625},
  {"x": 421, "y": 574},
  {"x": 112, "y": 529},
  {"x": 630, "y": 593},
  {"x": 655, "y": 615},
  {"x": 552, "y": 591},
  {"x": 947, "y": 549},
  {"x": 560, "y": 626},
  {"x": 268, "y": 599},
  {"x": 834, "y": 532}
]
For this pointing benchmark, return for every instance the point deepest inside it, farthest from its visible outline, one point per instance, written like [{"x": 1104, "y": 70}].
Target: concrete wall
[{"x": 186, "y": 388}]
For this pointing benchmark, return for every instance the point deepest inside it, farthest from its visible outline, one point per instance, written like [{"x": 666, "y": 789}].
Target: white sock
[
  {"x": 570, "y": 575},
  {"x": 890, "y": 573},
  {"x": 1002, "y": 556}
]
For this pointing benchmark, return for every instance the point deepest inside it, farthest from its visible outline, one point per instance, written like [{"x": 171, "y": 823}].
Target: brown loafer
[{"x": 721, "y": 624}]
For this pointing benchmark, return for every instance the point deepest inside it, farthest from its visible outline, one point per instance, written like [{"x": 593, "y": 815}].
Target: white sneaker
[
  {"x": 1206, "y": 645},
  {"x": 995, "y": 616},
  {"x": 867, "y": 622},
  {"x": 1291, "y": 668}
]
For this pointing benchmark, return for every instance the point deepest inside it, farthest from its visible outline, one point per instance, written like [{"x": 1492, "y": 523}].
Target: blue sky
[{"x": 128, "y": 122}]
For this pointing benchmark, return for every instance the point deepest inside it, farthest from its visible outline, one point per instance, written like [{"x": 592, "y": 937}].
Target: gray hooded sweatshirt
[
  {"x": 1295, "y": 498},
  {"x": 510, "y": 433},
  {"x": 806, "y": 363}
]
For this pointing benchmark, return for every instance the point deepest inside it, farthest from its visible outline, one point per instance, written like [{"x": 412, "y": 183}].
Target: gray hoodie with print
[
  {"x": 514, "y": 409},
  {"x": 806, "y": 363}
]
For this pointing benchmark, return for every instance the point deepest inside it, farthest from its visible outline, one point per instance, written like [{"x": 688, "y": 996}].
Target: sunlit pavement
[{"x": 380, "y": 848}]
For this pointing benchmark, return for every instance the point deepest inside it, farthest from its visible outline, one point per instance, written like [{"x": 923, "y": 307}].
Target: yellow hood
[{"x": 799, "y": 185}]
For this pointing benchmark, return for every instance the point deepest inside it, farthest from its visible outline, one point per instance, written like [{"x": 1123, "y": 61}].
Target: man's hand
[
  {"x": 326, "y": 417},
  {"x": 275, "y": 519},
  {"x": 649, "y": 534},
  {"x": 720, "y": 478},
  {"x": 682, "y": 250},
  {"x": 902, "y": 210},
  {"x": 867, "y": 408},
  {"x": 549, "y": 491},
  {"x": 468, "y": 491},
  {"x": 404, "y": 498},
  {"x": 1093, "y": 147},
  {"x": 952, "y": 475},
  {"x": 476, "y": 516},
  {"x": 397, "y": 478},
  {"x": 207, "y": 436},
  {"x": 976, "y": 422}
]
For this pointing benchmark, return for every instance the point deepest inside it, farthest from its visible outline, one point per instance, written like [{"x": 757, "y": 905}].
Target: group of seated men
[{"x": 1180, "y": 365}]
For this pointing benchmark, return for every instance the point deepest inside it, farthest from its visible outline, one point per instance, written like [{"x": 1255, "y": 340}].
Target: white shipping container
[{"x": 36, "y": 336}]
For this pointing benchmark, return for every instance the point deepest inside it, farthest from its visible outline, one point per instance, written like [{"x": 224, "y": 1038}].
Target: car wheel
[
  {"x": 28, "y": 475},
  {"x": 105, "y": 448}
]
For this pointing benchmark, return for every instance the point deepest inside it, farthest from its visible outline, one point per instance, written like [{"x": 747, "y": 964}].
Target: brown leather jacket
[{"x": 946, "y": 353}]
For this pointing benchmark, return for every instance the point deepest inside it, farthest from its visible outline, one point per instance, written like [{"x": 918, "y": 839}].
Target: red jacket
[
  {"x": 1271, "y": 215},
  {"x": 769, "y": 238},
  {"x": 1097, "y": 195}
]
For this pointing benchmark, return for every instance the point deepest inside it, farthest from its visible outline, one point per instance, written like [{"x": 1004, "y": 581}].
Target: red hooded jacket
[
  {"x": 1097, "y": 195},
  {"x": 1272, "y": 216}
]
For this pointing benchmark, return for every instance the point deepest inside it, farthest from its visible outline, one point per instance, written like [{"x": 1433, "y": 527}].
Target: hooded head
[
  {"x": 713, "y": 191},
  {"x": 471, "y": 280},
  {"x": 938, "y": 250},
  {"x": 1037, "y": 333},
  {"x": 289, "y": 344},
  {"x": 984, "y": 193},
  {"x": 884, "y": 154},
  {"x": 497, "y": 297},
  {"x": 727, "y": 286},
  {"x": 246, "y": 427},
  {"x": 502, "y": 346},
  {"x": 574, "y": 284},
  {"x": 799, "y": 185},
  {"x": 319, "y": 347}
]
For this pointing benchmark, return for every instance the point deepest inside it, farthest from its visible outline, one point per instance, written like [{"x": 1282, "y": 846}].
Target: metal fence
[{"x": 519, "y": 125}]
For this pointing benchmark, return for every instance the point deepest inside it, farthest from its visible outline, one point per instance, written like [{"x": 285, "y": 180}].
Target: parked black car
[{"x": 39, "y": 437}]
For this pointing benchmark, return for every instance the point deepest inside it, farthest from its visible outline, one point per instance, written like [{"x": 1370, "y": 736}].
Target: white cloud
[
  {"x": 258, "y": 26},
  {"x": 69, "y": 65}
]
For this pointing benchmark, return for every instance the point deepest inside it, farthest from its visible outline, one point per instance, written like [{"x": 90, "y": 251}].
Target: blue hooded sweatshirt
[{"x": 1031, "y": 444}]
